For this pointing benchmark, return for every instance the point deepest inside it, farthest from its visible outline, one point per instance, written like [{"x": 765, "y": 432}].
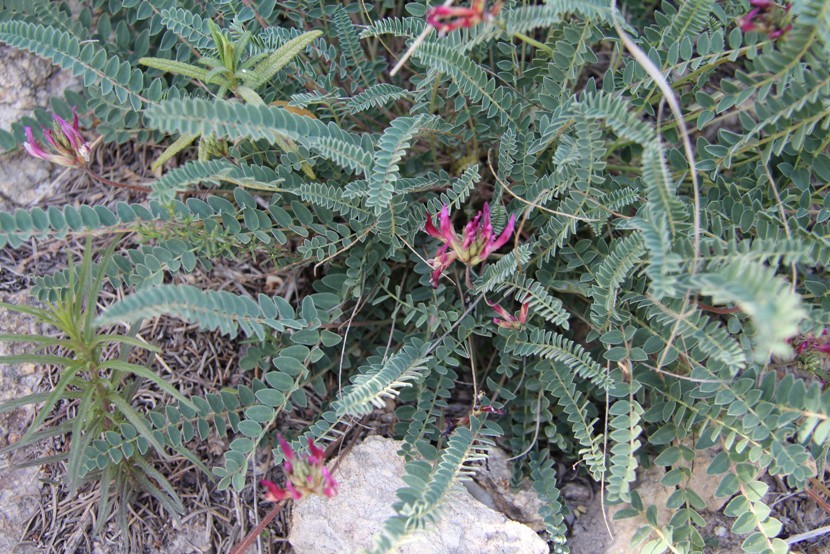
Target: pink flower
[
  {"x": 316, "y": 454},
  {"x": 304, "y": 477},
  {"x": 747, "y": 22},
  {"x": 329, "y": 484},
  {"x": 805, "y": 344},
  {"x": 67, "y": 145},
  {"x": 780, "y": 32},
  {"x": 766, "y": 17},
  {"x": 492, "y": 410},
  {"x": 274, "y": 493},
  {"x": 477, "y": 243},
  {"x": 288, "y": 454},
  {"x": 440, "y": 263},
  {"x": 446, "y": 18},
  {"x": 506, "y": 319}
]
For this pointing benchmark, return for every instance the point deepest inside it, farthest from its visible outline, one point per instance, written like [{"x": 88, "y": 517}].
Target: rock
[
  {"x": 492, "y": 487},
  {"x": 704, "y": 484},
  {"x": 26, "y": 82},
  {"x": 19, "y": 501},
  {"x": 368, "y": 477},
  {"x": 19, "y": 488},
  {"x": 193, "y": 538},
  {"x": 590, "y": 534},
  {"x": 16, "y": 380},
  {"x": 24, "y": 180}
]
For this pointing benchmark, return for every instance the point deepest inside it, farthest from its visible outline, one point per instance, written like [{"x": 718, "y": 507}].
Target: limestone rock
[
  {"x": 590, "y": 534},
  {"x": 19, "y": 501},
  {"x": 704, "y": 484},
  {"x": 26, "y": 82},
  {"x": 368, "y": 478},
  {"x": 24, "y": 180},
  {"x": 186, "y": 539},
  {"x": 492, "y": 487}
]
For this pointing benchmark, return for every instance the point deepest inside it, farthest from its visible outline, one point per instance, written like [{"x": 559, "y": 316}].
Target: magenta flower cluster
[
  {"x": 810, "y": 343},
  {"x": 507, "y": 320},
  {"x": 766, "y": 16},
  {"x": 304, "y": 476},
  {"x": 66, "y": 144},
  {"x": 476, "y": 244}
]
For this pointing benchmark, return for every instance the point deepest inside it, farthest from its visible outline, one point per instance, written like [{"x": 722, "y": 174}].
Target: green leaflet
[
  {"x": 88, "y": 61},
  {"x": 213, "y": 310},
  {"x": 267, "y": 68},
  {"x": 390, "y": 151}
]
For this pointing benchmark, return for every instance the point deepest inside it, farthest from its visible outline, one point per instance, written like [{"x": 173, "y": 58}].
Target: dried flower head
[
  {"x": 67, "y": 145},
  {"x": 803, "y": 344},
  {"x": 508, "y": 320}
]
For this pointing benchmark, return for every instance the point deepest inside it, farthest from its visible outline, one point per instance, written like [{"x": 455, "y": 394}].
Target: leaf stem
[
  {"x": 534, "y": 43},
  {"x": 137, "y": 188},
  {"x": 254, "y": 533}
]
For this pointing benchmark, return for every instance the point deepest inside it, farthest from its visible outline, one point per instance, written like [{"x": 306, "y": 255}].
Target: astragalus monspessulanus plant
[{"x": 582, "y": 231}]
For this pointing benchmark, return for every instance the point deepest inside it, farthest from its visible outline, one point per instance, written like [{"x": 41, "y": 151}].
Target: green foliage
[
  {"x": 544, "y": 483},
  {"x": 392, "y": 146},
  {"x": 773, "y": 307},
  {"x": 421, "y": 501},
  {"x": 88, "y": 61},
  {"x": 378, "y": 382},
  {"x": 213, "y": 310},
  {"x": 375, "y": 96},
  {"x": 662, "y": 304},
  {"x": 104, "y": 390}
]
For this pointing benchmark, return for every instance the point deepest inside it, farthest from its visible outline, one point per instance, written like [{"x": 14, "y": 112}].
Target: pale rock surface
[
  {"x": 368, "y": 477},
  {"x": 590, "y": 534},
  {"x": 19, "y": 488},
  {"x": 19, "y": 501},
  {"x": 704, "y": 484},
  {"x": 24, "y": 180},
  {"x": 191, "y": 538},
  {"x": 26, "y": 82},
  {"x": 492, "y": 487}
]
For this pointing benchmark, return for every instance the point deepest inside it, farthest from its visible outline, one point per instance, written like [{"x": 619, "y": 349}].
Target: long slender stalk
[
  {"x": 137, "y": 188},
  {"x": 254, "y": 533}
]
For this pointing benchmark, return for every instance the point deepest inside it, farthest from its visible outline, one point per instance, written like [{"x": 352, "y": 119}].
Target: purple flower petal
[
  {"x": 523, "y": 312},
  {"x": 447, "y": 232},
  {"x": 504, "y": 314},
  {"x": 31, "y": 145},
  {"x": 504, "y": 237},
  {"x": 429, "y": 227},
  {"x": 316, "y": 455},
  {"x": 287, "y": 451},
  {"x": 274, "y": 494},
  {"x": 292, "y": 490},
  {"x": 330, "y": 488}
]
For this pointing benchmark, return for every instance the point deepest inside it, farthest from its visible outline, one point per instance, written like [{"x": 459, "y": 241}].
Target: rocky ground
[{"x": 488, "y": 517}]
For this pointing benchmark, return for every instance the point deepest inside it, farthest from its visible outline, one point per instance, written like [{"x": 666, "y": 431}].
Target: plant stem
[
  {"x": 137, "y": 188},
  {"x": 534, "y": 43},
  {"x": 241, "y": 547}
]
